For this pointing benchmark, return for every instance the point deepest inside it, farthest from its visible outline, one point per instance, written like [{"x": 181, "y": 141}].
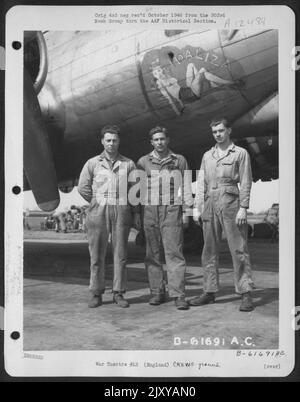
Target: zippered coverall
[{"x": 218, "y": 199}]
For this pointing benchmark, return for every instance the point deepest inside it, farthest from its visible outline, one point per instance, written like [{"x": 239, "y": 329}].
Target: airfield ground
[{"x": 56, "y": 315}]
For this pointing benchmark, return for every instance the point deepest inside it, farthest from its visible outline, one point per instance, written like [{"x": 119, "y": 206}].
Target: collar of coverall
[
  {"x": 154, "y": 155},
  {"x": 119, "y": 157},
  {"x": 231, "y": 148}
]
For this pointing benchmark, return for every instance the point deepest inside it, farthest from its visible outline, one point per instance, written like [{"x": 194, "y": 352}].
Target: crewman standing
[
  {"x": 104, "y": 182},
  {"x": 167, "y": 176},
  {"x": 222, "y": 206}
]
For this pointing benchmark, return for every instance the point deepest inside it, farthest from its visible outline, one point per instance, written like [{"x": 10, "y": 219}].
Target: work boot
[
  {"x": 181, "y": 303},
  {"x": 205, "y": 298},
  {"x": 247, "y": 303},
  {"x": 120, "y": 301},
  {"x": 95, "y": 301},
  {"x": 156, "y": 300}
]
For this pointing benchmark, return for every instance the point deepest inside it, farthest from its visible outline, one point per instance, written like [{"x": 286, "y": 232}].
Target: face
[
  {"x": 160, "y": 142},
  {"x": 111, "y": 143},
  {"x": 158, "y": 72},
  {"x": 221, "y": 133}
]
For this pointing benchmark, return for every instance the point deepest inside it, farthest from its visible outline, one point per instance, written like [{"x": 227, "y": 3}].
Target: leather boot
[
  {"x": 247, "y": 303},
  {"x": 156, "y": 300},
  {"x": 205, "y": 298},
  {"x": 95, "y": 301},
  {"x": 181, "y": 303},
  {"x": 120, "y": 301}
]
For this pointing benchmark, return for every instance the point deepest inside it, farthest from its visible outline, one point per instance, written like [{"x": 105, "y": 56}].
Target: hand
[
  {"x": 137, "y": 222},
  {"x": 241, "y": 217},
  {"x": 185, "y": 221},
  {"x": 196, "y": 216}
]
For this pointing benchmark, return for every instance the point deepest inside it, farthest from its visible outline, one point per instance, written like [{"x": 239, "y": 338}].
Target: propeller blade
[{"x": 38, "y": 160}]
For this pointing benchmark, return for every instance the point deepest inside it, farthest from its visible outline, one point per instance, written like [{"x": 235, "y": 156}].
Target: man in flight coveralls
[
  {"x": 222, "y": 206},
  {"x": 104, "y": 182},
  {"x": 163, "y": 219}
]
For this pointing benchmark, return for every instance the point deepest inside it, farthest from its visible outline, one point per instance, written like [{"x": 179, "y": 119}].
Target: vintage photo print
[{"x": 149, "y": 200}]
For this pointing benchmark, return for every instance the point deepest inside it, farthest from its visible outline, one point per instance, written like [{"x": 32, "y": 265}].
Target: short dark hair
[
  {"x": 158, "y": 129},
  {"x": 219, "y": 120},
  {"x": 110, "y": 129}
]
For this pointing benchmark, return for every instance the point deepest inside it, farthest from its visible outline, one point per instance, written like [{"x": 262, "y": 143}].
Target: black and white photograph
[{"x": 154, "y": 231}]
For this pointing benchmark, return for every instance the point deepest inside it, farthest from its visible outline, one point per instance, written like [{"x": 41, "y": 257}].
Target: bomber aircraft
[{"x": 76, "y": 82}]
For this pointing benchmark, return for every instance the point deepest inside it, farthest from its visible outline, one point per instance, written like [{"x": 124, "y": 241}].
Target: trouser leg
[
  {"x": 57, "y": 226},
  {"x": 120, "y": 216},
  {"x": 62, "y": 223},
  {"x": 172, "y": 239},
  {"x": 97, "y": 234},
  {"x": 153, "y": 260},
  {"x": 237, "y": 241},
  {"x": 212, "y": 232}
]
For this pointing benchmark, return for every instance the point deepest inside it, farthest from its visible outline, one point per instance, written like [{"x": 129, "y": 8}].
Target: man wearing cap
[
  {"x": 222, "y": 206},
  {"x": 168, "y": 193},
  {"x": 104, "y": 182}
]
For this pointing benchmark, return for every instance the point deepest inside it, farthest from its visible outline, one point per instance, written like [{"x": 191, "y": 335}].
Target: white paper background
[{"x": 83, "y": 363}]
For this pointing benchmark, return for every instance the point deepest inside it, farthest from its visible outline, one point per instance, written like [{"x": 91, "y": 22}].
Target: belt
[{"x": 218, "y": 185}]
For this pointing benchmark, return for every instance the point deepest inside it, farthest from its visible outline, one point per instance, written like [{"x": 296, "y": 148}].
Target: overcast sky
[{"x": 263, "y": 195}]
